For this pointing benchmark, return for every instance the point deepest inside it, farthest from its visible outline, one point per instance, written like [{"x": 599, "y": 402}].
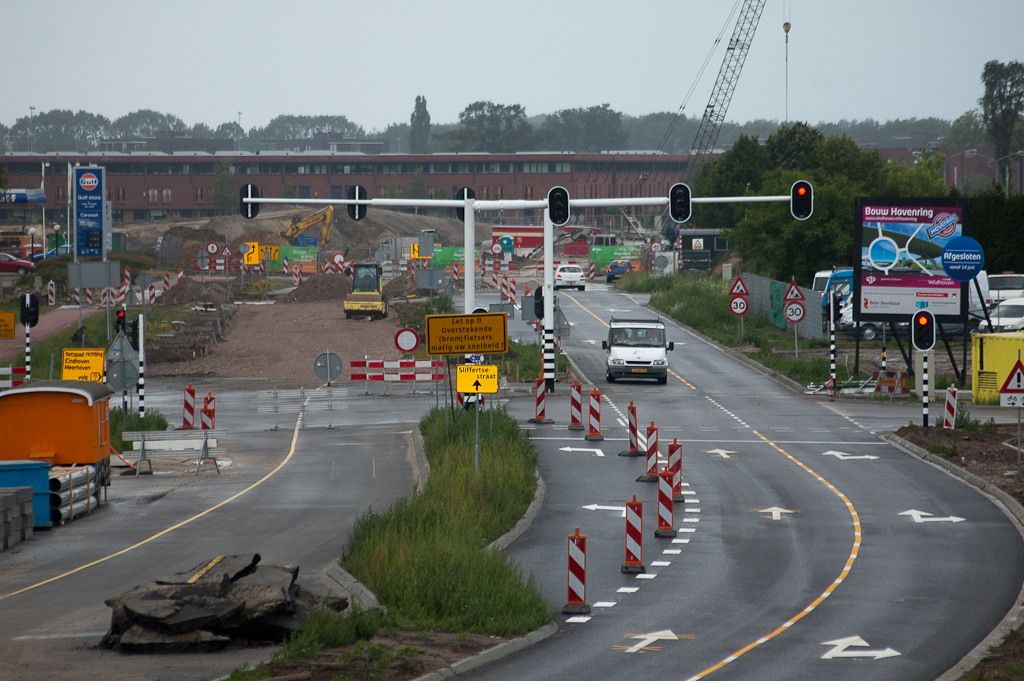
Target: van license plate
[{"x": 639, "y": 371}]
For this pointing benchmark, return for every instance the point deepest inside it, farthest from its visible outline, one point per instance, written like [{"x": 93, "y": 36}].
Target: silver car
[{"x": 570, "y": 276}]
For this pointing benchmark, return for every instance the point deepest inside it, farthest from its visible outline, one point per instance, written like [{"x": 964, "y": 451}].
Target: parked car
[
  {"x": 570, "y": 276},
  {"x": 66, "y": 249},
  {"x": 616, "y": 268},
  {"x": 11, "y": 263},
  {"x": 1006, "y": 316}
]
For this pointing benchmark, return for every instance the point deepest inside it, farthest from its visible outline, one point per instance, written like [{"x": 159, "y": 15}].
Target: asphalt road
[{"x": 837, "y": 582}]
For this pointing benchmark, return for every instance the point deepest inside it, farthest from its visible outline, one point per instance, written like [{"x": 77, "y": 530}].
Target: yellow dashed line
[{"x": 831, "y": 587}]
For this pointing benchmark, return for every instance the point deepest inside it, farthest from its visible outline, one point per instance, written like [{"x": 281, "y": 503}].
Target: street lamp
[
  {"x": 31, "y": 126},
  {"x": 1019, "y": 154},
  {"x": 32, "y": 237},
  {"x": 42, "y": 186},
  {"x": 958, "y": 181}
]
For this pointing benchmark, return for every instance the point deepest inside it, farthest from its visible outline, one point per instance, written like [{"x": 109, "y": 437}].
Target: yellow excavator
[
  {"x": 325, "y": 216},
  {"x": 367, "y": 298}
]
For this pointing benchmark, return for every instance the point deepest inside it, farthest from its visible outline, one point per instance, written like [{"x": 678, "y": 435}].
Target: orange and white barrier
[
  {"x": 11, "y": 372},
  {"x": 575, "y": 407},
  {"x": 634, "y": 444},
  {"x": 296, "y": 275},
  {"x": 207, "y": 419},
  {"x": 576, "y": 601},
  {"x": 541, "y": 403},
  {"x": 594, "y": 416},
  {"x": 455, "y": 271},
  {"x": 181, "y": 274},
  {"x": 188, "y": 417},
  {"x": 634, "y": 537},
  {"x": 51, "y": 293},
  {"x": 398, "y": 370},
  {"x": 675, "y": 464},
  {"x": 949, "y": 420},
  {"x": 504, "y": 287},
  {"x": 666, "y": 528},
  {"x": 652, "y": 455},
  {"x": 590, "y": 275},
  {"x": 167, "y": 281},
  {"x": 513, "y": 298}
]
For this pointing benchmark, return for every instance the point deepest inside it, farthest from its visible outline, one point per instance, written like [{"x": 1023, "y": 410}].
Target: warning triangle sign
[
  {"x": 739, "y": 288},
  {"x": 793, "y": 293},
  {"x": 1015, "y": 381},
  {"x": 226, "y": 253}
]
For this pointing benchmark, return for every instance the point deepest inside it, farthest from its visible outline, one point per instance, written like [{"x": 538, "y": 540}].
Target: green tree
[
  {"x": 924, "y": 178},
  {"x": 418, "y": 188},
  {"x": 59, "y": 130},
  {"x": 1002, "y": 105},
  {"x": 494, "y": 128},
  {"x": 734, "y": 173},
  {"x": 419, "y": 127},
  {"x": 145, "y": 123},
  {"x": 841, "y": 157},
  {"x": 967, "y": 131},
  {"x": 595, "y": 129},
  {"x": 792, "y": 147},
  {"x": 225, "y": 188},
  {"x": 996, "y": 223}
]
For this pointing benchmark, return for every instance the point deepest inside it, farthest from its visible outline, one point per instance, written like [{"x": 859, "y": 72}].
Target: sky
[{"x": 218, "y": 61}]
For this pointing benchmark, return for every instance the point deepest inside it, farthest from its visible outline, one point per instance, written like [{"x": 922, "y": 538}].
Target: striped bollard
[
  {"x": 296, "y": 275},
  {"x": 666, "y": 528},
  {"x": 188, "y": 418},
  {"x": 594, "y": 416},
  {"x": 88, "y": 296},
  {"x": 634, "y": 444},
  {"x": 652, "y": 455},
  {"x": 950, "y": 420},
  {"x": 675, "y": 464},
  {"x": 541, "y": 394},
  {"x": 504, "y": 287},
  {"x": 78, "y": 296},
  {"x": 494, "y": 278},
  {"x": 575, "y": 406},
  {"x": 634, "y": 537},
  {"x": 181, "y": 274},
  {"x": 284, "y": 265},
  {"x": 576, "y": 602},
  {"x": 151, "y": 291},
  {"x": 206, "y": 419},
  {"x": 590, "y": 276},
  {"x": 51, "y": 293},
  {"x": 167, "y": 282}
]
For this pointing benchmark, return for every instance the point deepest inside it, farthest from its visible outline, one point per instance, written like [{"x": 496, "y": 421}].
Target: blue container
[{"x": 34, "y": 474}]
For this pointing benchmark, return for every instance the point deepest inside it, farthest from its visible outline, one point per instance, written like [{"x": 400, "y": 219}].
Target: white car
[
  {"x": 1006, "y": 316},
  {"x": 570, "y": 276}
]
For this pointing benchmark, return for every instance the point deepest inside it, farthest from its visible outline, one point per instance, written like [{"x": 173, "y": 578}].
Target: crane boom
[{"x": 728, "y": 76}]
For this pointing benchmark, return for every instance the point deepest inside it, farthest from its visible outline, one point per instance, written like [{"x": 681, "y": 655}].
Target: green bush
[{"x": 153, "y": 420}]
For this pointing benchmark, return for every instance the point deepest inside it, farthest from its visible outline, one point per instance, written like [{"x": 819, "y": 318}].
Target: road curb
[
  {"x": 491, "y": 654},
  {"x": 1015, "y": 617}
]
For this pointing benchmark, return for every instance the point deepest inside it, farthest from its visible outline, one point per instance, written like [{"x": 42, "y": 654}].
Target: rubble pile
[
  {"x": 190, "y": 291},
  {"x": 224, "y": 601},
  {"x": 319, "y": 287}
]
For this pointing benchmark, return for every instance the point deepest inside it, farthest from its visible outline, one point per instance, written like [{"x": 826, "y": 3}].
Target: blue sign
[
  {"x": 962, "y": 258},
  {"x": 89, "y": 185},
  {"x": 23, "y": 196}
]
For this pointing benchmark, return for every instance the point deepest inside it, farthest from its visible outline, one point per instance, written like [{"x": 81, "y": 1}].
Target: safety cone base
[
  {"x": 536, "y": 420},
  {"x": 576, "y": 609},
  {"x": 592, "y": 437},
  {"x": 661, "y": 534},
  {"x": 633, "y": 569},
  {"x": 578, "y": 426},
  {"x": 678, "y": 497},
  {"x": 647, "y": 478},
  {"x": 630, "y": 452}
]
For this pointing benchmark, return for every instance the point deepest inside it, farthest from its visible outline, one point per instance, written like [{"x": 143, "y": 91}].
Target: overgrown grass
[
  {"x": 328, "y": 629},
  {"x": 153, "y": 420},
  {"x": 525, "y": 361},
  {"x": 425, "y": 557}
]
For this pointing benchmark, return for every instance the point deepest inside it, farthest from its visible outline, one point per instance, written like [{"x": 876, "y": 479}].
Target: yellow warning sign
[
  {"x": 483, "y": 333},
  {"x": 6, "y": 326},
  {"x": 475, "y": 378},
  {"x": 251, "y": 254},
  {"x": 270, "y": 252},
  {"x": 82, "y": 364}
]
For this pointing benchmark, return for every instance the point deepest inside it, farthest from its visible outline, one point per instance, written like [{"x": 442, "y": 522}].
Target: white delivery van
[{"x": 636, "y": 349}]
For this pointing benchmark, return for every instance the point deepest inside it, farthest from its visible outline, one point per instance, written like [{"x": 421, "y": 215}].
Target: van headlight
[
  {"x": 617, "y": 362},
  {"x": 660, "y": 362}
]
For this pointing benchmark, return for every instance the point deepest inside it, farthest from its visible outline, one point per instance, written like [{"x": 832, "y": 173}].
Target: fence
[
  {"x": 767, "y": 297},
  {"x": 301, "y": 401}
]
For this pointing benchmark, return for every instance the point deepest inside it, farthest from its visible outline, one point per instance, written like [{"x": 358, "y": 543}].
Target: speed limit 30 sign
[
  {"x": 795, "y": 312},
  {"x": 738, "y": 306}
]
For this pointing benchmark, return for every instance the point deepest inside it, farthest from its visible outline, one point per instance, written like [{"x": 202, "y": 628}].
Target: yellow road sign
[
  {"x": 474, "y": 378},
  {"x": 82, "y": 364},
  {"x": 6, "y": 326},
  {"x": 458, "y": 334},
  {"x": 252, "y": 254},
  {"x": 270, "y": 253}
]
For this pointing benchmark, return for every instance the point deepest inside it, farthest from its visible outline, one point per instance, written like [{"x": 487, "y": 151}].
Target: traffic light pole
[
  {"x": 469, "y": 231},
  {"x": 549, "y": 304}
]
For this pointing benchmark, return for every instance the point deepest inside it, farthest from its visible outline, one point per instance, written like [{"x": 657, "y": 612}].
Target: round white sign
[
  {"x": 339, "y": 258},
  {"x": 795, "y": 312},
  {"x": 656, "y": 246},
  {"x": 497, "y": 248},
  {"x": 212, "y": 248},
  {"x": 407, "y": 340},
  {"x": 738, "y": 306}
]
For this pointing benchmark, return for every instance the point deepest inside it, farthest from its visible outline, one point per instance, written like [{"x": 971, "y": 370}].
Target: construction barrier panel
[
  {"x": 950, "y": 418},
  {"x": 541, "y": 392},
  {"x": 652, "y": 455},
  {"x": 675, "y": 464},
  {"x": 634, "y": 537},
  {"x": 594, "y": 416},
  {"x": 666, "y": 528},
  {"x": 575, "y": 407},
  {"x": 576, "y": 602},
  {"x": 188, "y": 418},
  {"x": 634, "y": 444}
]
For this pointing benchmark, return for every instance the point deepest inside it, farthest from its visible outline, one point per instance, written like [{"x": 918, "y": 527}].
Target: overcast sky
[{"x": 206, "y": 61}]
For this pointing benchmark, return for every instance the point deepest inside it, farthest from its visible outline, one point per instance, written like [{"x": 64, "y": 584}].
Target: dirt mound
[
  {"x": 400, "y": 288},
  {"x": 319, "y": 287},
  {"x": 190, "y": 291}
]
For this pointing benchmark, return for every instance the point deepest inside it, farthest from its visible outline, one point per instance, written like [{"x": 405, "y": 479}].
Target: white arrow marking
[
  {"x": 597, "y": 452},
  {"x": 841, "y": 645},
  {"x": 648, "y": 639},
  {"x": 592, "y": 342},
  {"x": 843, "y": 456},
  {"x": 922, "y": 517},
  {"x": 597, "y": 507},
  {"x": 724, "y": 453},
  {"x": 775, "y": 511}
]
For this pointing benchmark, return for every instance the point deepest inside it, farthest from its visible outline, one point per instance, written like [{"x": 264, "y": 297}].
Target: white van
[
  {"x": 1004, "y": 286},
  {"x": 636, "y": 349}
]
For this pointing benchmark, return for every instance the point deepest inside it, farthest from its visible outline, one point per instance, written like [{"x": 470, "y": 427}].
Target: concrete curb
[
  {"x": 359, "y": 593},
  {"x": 532, "y": 511},
  {"x": 1015, "y": 512},
  {"x": 491, "y": 654}
]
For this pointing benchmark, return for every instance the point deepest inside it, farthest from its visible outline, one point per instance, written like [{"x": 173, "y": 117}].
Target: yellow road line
[
  {"x": 183, "y": 523},
  {"x": 195, "y": 578},
  {"x": 831, "y": 587}
]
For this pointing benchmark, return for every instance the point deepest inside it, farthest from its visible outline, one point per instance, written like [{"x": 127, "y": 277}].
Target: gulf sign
[{"x": 88, "y": 181}]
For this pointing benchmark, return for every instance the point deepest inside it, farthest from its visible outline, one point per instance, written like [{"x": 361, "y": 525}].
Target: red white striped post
[
  {"x": 207, "y": 421},
  {"x": 167, "y": 281},
  {"x": 634, "y": 537},
  {"x": 494, "y": 278},
  {"x": 575, "y": 406},
  {"x": 88, "y": 296},
  {"x": 594, "y": 416},
  {"x": 593, "y": 267},
  {"x": 504, "y": 287},
  {"x": 181, "y": 274},
  {"x": 455, "y": 271},
  {"x": 296, "y": 275},
  {"x": 513, "y": 298},
  {"x": 541, "y": 393},
  {"x": 210, "y": 402},
  {"x": 634, "y": 444},
  {"x": 950, "y": 419},
  {"x": 576, "y": 602},
  {"x": 51, "y": 293},
  {"x": 675, "y": 464},
  {"x": 652, "y": 455},
  {"x": 284, "y": 265},
  {"x": 188, "y": 415},
  {"x": 152, "y": 294},
  {"x": 666, "y": 528},
  {"x": 78, "y": 296}
]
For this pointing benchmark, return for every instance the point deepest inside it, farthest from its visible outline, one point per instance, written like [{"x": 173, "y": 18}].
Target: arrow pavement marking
[
  {"x": 842, "y": 644},
  {"x": 598, "y": 507},
  {"x": 775, "y": 511},
  {"x": 597, "y": 452},
  {"x": 647, "y": 639},
  {"x": 724, "y": 453},
  {"x": 843, "y": 456},
  {"x": 922, "y": 517}
]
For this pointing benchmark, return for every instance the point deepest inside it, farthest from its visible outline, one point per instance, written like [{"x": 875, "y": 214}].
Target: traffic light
[
  {"x": 922, "y": 330},
  {"x": 119, "y": 323},
  {"x": 356, "y": 193},
  {"x": 558, "y": 206},
  {"x": 538, "y": 303},
  {"x": 801, "y": 199},
  {"x": 679, "y": 202},
  {"x": 133, "y": 334},
  {"x": 463, "y": 194},
  {"x": 29, "y": 309},
  {"x": 248, "y": 210}
]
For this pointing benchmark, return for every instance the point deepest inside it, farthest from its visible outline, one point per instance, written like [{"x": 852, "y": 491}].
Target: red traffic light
[
  {"x": 801, "y": 190},
  {"x": 922, "y": 334},
  {"x": 801, "y": 200}
]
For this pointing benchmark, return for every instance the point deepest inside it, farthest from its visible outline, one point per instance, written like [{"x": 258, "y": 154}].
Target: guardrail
[{"x": 301, "y": 401}]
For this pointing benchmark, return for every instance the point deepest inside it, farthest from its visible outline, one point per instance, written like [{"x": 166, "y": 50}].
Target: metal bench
[{"x": 164, "y": 443}]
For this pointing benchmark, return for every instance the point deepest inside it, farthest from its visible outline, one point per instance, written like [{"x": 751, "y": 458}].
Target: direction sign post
[{"x": 738, "y": 303}]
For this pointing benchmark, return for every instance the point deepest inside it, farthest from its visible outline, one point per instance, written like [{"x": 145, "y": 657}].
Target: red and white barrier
[
  {"x": 494, "y": 279},
  {"x": 296, "y": 275},
  {"x": 181, "y": 274},
  {"x": 207, "y": 419},
  {"x": 167, "y": 281},
  {"x": 152, "y": 294},
  {"x": 652, "y": 455},
  {"x": 10, "y": 373},
  {"x": 398, "y": 370},
  {"x": 666, "y": 528},
  {"x": 513, "y": 298},
  {"x": 594, "y": 416},
  {"x": 675, "y": 464},
  {"x": 51, "y": 293},
  {"x": 950, "y": 419},
  {"x": 576, "y": 581},
  {"x": 284, "y": 265},
  {"x": 88, "y": 296},
  {"x": 634, "y": 537},
  {"x": 455, "y": 271},
  {"x": 541, "y": 404},
  {"x": 188, "y": 414},
  {"x": 634, "y": 444},
  {"x": 210, "y": 402},
  {"x": 590, "y": 275},
  {"x": 78, "y": 296},
  {"x": 575, "y": 407},
  {"x": 504, "y": 287}
]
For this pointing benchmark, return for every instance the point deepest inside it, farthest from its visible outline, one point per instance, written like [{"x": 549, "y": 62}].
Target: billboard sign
[
  {"x": 898, "y": 269},
  {"x": 37, "y": 196},
  {"x": 89, "y": 188}
]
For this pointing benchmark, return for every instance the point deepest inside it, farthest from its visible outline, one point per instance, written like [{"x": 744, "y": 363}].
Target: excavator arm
[{"x": 325, "y": 215}]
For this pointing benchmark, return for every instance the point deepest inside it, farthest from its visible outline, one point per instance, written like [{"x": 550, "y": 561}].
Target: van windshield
[
  {"x": 1003, "y": 282},
  {"x": 638, "y": 337}
]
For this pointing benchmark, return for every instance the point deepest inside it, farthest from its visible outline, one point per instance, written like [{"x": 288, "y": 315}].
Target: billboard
[
  {"x": 89, "y": 185},
  {"x": 37, "y": 196},
  {"x": 898, "y": 246}
]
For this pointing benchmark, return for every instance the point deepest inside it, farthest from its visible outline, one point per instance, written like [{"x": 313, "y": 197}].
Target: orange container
[{"x": 62, "y": 422}]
